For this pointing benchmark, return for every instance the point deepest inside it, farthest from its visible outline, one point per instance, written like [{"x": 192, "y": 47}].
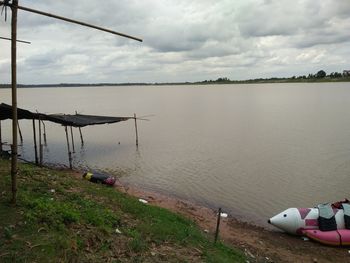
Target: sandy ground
[{"x": 258, "y": 243}]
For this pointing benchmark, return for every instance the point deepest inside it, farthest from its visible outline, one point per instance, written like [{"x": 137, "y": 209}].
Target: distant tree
[
  {"x": 321, "y": 74},
  {"x": 337, "y": 75},
  {"x": 222, "y": 80}
]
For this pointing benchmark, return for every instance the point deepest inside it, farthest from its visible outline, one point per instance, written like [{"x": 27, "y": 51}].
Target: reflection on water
[{"x": 251, "y": 149}]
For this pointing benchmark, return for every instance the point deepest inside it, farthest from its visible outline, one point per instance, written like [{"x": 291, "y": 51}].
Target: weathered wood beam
[
  {"x": 21, "y": 41},
  {"x": 69, "y": 20}
]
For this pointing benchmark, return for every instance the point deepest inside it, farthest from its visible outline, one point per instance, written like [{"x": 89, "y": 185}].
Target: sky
[{"x": 182, "y": 40}]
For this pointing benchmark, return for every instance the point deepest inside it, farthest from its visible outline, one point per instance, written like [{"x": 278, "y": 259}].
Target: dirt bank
[{"x": 259, "y": 244}]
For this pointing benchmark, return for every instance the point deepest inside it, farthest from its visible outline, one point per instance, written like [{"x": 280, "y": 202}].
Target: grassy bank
[{"x": 60, "y": 218}]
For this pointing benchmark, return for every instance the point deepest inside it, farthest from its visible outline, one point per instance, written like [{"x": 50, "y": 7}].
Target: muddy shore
[{"x": 258, "y": 243}]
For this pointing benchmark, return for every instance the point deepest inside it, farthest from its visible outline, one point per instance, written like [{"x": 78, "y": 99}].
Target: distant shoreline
[{"x": 206, "y": 82}]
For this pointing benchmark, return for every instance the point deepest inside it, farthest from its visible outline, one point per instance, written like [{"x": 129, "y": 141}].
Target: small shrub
[{"x": 137, "y": 244}]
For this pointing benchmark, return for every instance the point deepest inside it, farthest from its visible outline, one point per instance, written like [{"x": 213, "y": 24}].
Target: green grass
[{"x": 59, "y": 218}]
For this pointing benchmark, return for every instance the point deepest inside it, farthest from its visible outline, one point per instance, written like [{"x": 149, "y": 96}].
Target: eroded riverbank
[{"x": 258, "y": 243}]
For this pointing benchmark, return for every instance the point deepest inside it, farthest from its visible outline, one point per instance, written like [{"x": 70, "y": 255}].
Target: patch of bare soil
[{"x": 258, "y": 243}]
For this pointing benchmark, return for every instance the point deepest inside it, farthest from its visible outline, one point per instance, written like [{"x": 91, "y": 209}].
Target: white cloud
[{"x": 183, "y": 40}]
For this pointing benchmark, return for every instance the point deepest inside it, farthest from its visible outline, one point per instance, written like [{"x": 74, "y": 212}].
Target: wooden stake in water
[
  {"x": 217, "y": 226},
  {"x": 20, "y": 132},
  {"x": 41, "y": 154},
  {"x": 68, "y": 147},
  {"x": 72, "y": 137},
  {"x": 44, "y": 126},
  {"x": 81, "y": 137},
  {"x": 35, "y": 145},
  {"x": 137, "y": 136},
  {"x": 81, "y": 134},
  {"x": 40, "y": 145}
]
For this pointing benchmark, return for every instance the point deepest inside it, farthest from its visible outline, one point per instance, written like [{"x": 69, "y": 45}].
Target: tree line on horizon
[{"x": 321, "y": 74}]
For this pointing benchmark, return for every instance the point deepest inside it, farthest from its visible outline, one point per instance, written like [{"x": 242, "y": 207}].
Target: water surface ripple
[{"x": 252, "y": 149}]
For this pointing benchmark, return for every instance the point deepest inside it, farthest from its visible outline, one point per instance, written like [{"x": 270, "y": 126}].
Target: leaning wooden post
[
  {"x": 81, "y": 134},
  {"x": 35, "y": 145},
  {"x": 14, "y": 146},
  {"x": 217, "y": 226},
  {"x": 69, "y": 152},
  {"x": 72, "y": 137},
  {"x": 20, "y": 132},
  {"x": 137, "y": 136},
  {"x": 81, "y": 137}
]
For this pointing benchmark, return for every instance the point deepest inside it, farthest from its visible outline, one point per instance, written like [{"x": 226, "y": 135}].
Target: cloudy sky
[{"x": 183, "y": 40}]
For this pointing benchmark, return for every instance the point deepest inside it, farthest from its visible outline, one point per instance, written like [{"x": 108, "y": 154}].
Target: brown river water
[{"x": 253, "y": 150}]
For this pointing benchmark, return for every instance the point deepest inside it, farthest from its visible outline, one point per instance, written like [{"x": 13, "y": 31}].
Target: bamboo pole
[
  {"x": 40, "y": 145},
  {"x": 44, "y": 126},
  {"x": 41, "y": 154},
  {"x": 14, "y": 146},
  {"x": 20, "y": 132},
  {"x": 137, "y": 135},
  {"x": 35, "y": 145},
  {"x": 70, "y": 20},
  {"x": 81, "y": 137},
  {"x": 81, "y": 134},
  {"x": 0, "y": 139},
  {"x": 72, "y": 137},
  {"x": 69, "y": 152},
  {"x": 217, "y": 226},
  {"x": 20, "y": 41}
]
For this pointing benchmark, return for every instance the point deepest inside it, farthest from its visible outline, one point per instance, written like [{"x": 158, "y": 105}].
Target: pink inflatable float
[{"x": 327, "y": 224}]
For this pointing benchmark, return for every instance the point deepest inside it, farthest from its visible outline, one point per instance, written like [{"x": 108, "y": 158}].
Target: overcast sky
[{"x": 183, "y": 40}]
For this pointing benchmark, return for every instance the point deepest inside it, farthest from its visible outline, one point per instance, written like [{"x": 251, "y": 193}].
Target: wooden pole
[
  {"x": 44, "y": 126},
  {"x": 81, "y": 137},
  {"x": 0, "y": 139},
  {"x": 71, "y": 20},
  {"x": 137, "y": 136},
  {"x": 40, "y": 145},
  {"x": 69, "y": 152},
  {"x": 41, "y": 154},
  {"x": 21, "y": 41},
  {"x": 14, "y": 145},
  {"x": 20, "y": 132},
  {"x": 81, "y": 134},
  {"x": 217, "y": 226},
  {"x": 72, "y": 137},
  {"x": 35, "y": 145},
  {"x": 39, "y": 123}
]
